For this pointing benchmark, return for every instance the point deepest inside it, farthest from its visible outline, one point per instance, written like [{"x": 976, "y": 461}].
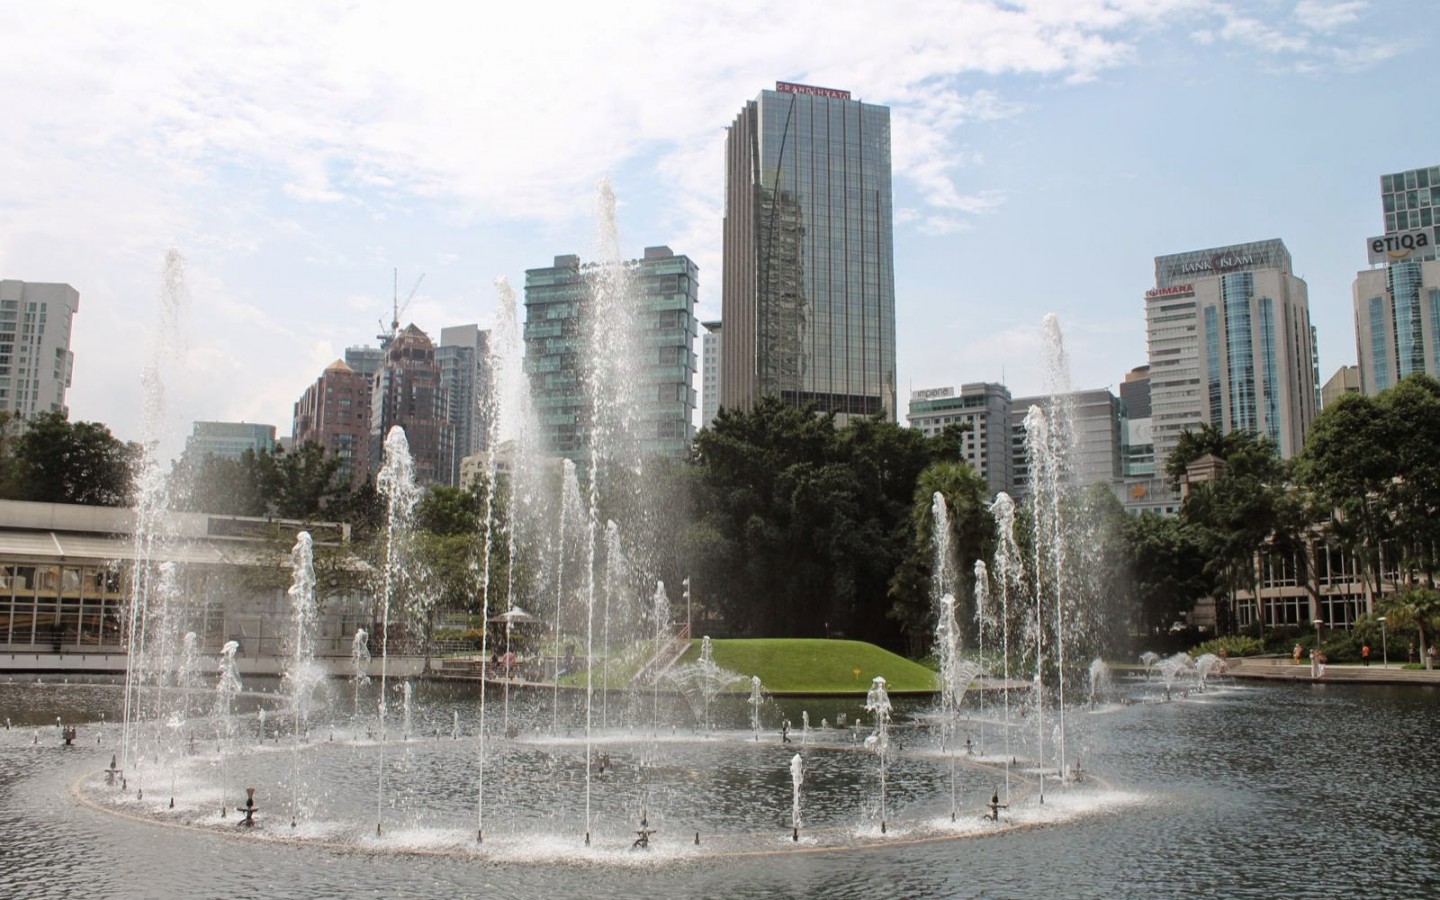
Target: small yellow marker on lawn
[{"x": 857, "y": 672}]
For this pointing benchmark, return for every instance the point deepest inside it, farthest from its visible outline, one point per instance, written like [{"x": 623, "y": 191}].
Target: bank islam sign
[{"x": 1398, "y": 245}]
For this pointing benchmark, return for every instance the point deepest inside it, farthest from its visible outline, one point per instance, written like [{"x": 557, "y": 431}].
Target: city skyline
[{"x": 1044, "y": 155}]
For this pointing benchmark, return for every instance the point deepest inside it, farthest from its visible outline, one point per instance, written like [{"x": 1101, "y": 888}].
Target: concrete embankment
[{"x": 1282, "y": 669}]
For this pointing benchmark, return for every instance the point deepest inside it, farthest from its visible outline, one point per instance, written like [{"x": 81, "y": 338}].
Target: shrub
[{"x": 1230, "y": 645}]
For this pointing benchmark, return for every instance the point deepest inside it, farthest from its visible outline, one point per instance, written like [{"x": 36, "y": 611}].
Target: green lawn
[{"x": 795, "y": 666}]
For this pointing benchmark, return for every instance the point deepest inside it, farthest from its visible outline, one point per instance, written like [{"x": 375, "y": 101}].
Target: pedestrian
[
  {"x": 1296, "y": 653},
  {"x": 1410, "y": 654},
  {"x": 1365, "y": 654},
  {"x": 1430, "y": 657},
  {"x": 1321, "y": 660}
]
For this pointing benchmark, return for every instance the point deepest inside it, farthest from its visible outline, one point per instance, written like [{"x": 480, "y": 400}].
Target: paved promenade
[{"x": 1273, "y": 669}]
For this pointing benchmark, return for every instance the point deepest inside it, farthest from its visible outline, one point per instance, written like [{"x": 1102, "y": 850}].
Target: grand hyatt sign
[{"x": 786, "y": 87}]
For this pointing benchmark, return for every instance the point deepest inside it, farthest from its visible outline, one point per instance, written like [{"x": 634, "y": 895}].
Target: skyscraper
[
  {"x": 334, "y": 412},
  {"x": 464, "y": 360},
  {"x": 406, "y": 392},
  {"x": 982, "y": 409},
  {"x": 710, "y": 343},
  {"x": 808, "y": 298},
  {"x": 229, "y": 440},
  {"x": 1230, "y": 344},
  {"x": 1397, "y": 304},
  {"x": 35, "y": 357},
  {"x": 558, "y": 304}
]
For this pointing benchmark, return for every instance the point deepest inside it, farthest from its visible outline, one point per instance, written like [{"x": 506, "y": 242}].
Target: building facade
[
  {"x": 711, "y": 341},
  {"x": 334, "y": 412},
  {"x": 36, "y": 362},
  {"x": 559, "y": 300},
  {"x": 1346, "y": 380},
  {"x": 808, "y": 294},
  {"x": 406, "y": 392},
  {"x": 464, "y": 360},
  {"x": 1095, "y": 424},
  {"x": 1231, "y": 345},
  {"x": 229, "y": 440},
  {"x": 1397, "y": 301},
  {"x": 983, "y": 410}
]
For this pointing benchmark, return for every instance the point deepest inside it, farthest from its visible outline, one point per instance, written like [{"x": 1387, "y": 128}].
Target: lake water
[{"x": 1243, "y": 791}]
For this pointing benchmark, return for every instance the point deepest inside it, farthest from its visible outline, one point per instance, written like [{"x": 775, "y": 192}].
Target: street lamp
[
  {"x": 1315, "y": 656},
  {"x": 1384, "y": 651}
]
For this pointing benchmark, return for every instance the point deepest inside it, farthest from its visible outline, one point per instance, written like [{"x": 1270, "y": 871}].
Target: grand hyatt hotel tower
[{"x": 808, "y": 298}]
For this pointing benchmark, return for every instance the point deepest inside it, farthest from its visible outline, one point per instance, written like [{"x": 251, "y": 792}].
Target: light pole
[
  {"x": 1315, "y": 655},
  {"x": 1384, "y": 651}
]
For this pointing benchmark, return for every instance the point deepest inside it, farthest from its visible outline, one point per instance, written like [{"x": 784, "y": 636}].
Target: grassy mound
[{"x": 814, "y": 666}]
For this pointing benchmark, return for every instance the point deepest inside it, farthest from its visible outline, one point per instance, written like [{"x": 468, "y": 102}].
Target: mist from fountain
[
  {"x": 877, "y": 703},
  {"x": 396, "y": 483},
  {"x": 1207, "y": 664},
  {"x": 1099, "y": 675},
  {"x": 359, "y": 667},
  {"x": 797, "y": 778},
  {"x": 227, "y": 686},
  {"x": 1009, "y": 575}
]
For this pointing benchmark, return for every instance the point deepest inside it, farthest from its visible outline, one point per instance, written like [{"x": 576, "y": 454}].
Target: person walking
[
  {"x": 1296, "y": 653},
  {"x": 1365, "y": 654}
]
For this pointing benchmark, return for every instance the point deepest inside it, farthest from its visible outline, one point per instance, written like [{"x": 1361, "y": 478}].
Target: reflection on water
[{"x": 1251, "y": 792}]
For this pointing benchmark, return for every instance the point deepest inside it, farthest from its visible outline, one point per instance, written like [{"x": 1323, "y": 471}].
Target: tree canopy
[{"x": 54, "y": 460}]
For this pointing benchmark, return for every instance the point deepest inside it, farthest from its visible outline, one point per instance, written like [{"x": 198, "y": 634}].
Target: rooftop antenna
[{"x": 385, "y": 337}]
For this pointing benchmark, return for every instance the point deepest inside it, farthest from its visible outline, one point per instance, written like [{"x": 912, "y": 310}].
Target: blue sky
[{"x": 1045, "y": 152}]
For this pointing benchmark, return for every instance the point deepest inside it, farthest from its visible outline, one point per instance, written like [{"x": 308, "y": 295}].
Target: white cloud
[{"x": 313, "y": 142}]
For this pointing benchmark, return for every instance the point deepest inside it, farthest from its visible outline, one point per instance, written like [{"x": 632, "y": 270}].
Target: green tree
[
  {"x": 1411, "y": 413},
  {"x": 1167, "y": 560},
  {"x": 1346, "y": 466},
  {"x": 58, "y": 461},
  {"x": 1414, "y": 607},
  {"x": 972, "y": 537},
  {"x": 1235, "y": 514},
  {"x": 800, "y": 525}
]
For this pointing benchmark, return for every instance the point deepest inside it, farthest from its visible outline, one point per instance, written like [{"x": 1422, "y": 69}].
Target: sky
[{"x": 299, "y": 155}]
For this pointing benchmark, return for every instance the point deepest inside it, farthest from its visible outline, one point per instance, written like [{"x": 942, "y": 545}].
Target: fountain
[{"x": 556, "y": 792}]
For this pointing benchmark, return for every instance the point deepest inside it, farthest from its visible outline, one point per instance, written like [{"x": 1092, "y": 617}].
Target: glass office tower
[{"x": 808, "y": 300}]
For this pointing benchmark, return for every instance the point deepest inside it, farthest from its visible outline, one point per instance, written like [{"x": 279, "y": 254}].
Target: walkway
[{"x": 1284, "y": 669}]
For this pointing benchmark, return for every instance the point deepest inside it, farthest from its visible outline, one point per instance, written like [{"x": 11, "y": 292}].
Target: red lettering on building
[{"x": 1175, "y": 290}]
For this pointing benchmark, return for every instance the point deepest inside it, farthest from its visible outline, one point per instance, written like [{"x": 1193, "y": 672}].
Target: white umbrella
[{"x": 513, "y": 615}]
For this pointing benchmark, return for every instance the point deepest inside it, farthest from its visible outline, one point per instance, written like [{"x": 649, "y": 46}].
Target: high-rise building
[
  {"x": 406, "y": 391},
  {"x": 1412, "y": 204},
  {"x": 558, "y": 304},
  {"x": 464, "y": 360},
  {"x": 1397, "y": 304},
  {"x": 364, "y": 361},
  {"x": 334, "y": 412},
  {"x": 808, "y": 298},
  {"x": 710, "y": 343},
  {"x": 35, "y": 358},
  {"x": 1095, "y": 423},
  {"x": 1346, "y": 380},
  {"x": 983, "y": 411},
  {"x": 1230, "y": 345},
  {"x": 229, "y": 440}
]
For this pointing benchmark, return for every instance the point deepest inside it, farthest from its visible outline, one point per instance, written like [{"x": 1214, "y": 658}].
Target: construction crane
[{"x": 397, "y": 308}]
